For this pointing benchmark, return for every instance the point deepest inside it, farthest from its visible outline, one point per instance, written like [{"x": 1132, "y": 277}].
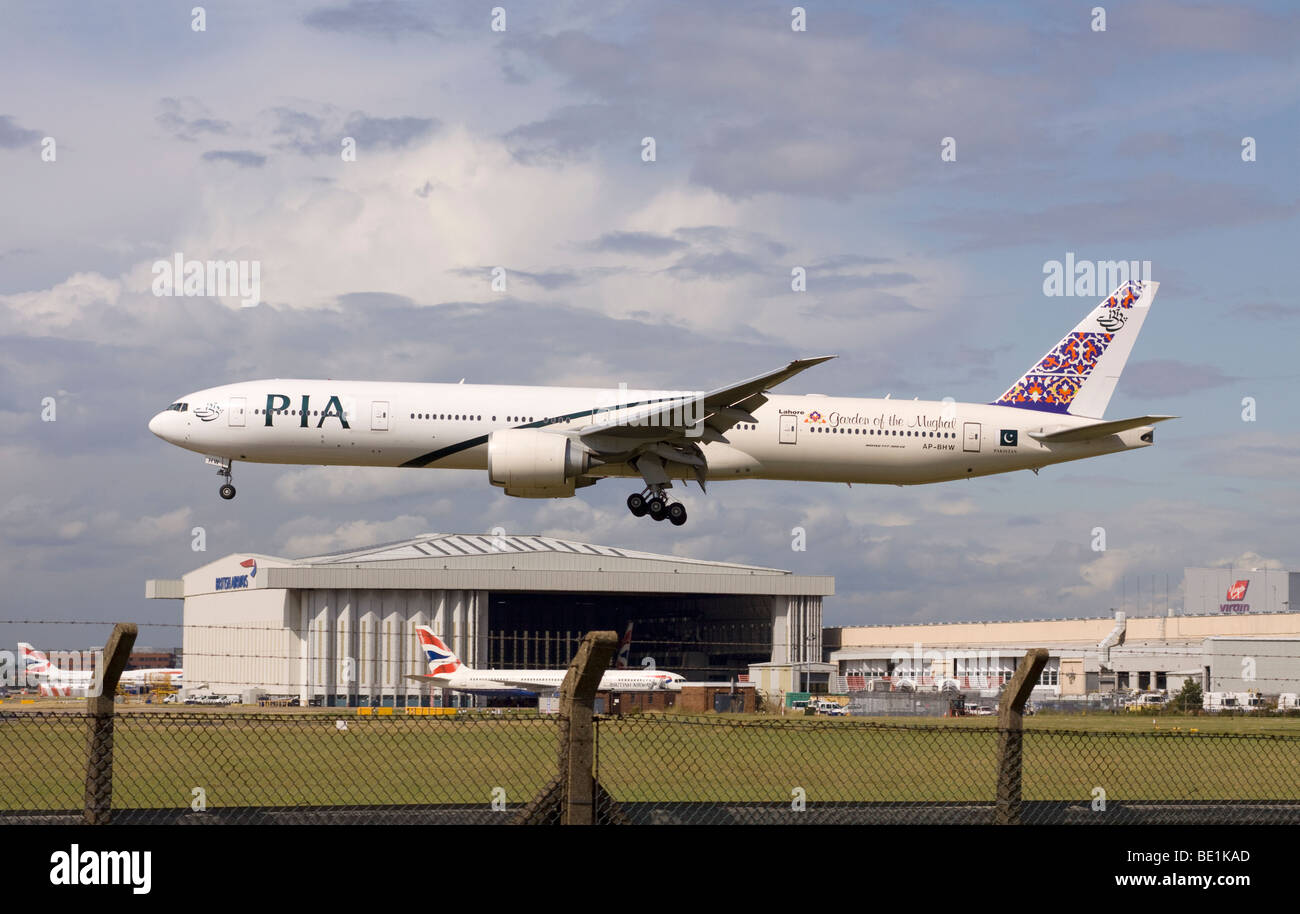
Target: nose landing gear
[
  {"x": 227, "y": 491},
  {"x": 653, "y": 502}
]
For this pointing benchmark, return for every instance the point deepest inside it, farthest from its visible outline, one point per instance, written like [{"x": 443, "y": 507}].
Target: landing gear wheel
[
  {"x": 677, "y": 513},
  {"x": 658, "y": 510},
  {"x": 227, "y": 491},
  {"x": 636, "y": 504}
]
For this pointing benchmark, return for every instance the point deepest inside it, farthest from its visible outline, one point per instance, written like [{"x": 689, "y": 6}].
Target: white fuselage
[
  {"x": 811, "y": 437},
  {"x": 541, "y": 681},
  {"x": 76, "y": 678}
]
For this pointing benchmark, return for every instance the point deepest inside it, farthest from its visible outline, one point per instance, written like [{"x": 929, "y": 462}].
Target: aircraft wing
[
  {"x": 654, "y": 436},
  {"x": 720, "y": 409}
]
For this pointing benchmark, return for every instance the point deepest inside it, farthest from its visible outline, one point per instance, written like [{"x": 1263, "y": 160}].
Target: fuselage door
[
  {"x": 789, "y": 429},
  {"x": 236, "y": 413},
  {"x": 971, "y": 437},
  {"x": 379, "y": 416}
]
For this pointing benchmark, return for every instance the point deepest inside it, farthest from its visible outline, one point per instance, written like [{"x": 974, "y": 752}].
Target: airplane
[
  {"x": 447, "y": 672},
  {"x": 40, "y": 670},
  {"x": 547, "y": 442},
  {"x": 624, "y": 649}
]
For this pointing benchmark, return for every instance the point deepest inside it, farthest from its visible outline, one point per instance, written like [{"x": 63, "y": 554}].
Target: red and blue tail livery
[{"x": 442, "y": 660}]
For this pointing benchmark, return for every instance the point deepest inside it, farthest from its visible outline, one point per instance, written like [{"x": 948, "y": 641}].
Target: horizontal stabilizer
[{"x": 1097, "y": 429}]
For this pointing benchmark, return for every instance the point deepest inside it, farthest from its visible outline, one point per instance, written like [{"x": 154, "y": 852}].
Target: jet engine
[{"x": 530, "y": 463}]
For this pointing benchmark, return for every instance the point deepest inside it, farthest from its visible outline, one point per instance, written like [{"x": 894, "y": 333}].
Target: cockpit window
[{"x": 178, "y": 407}]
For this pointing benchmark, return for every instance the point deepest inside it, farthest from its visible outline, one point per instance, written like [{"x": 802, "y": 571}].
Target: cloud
[
  {"x": 1173, "y": 378},
  {"x": 549, "y": 281},
  {"x": 389, "y": 132},
  {"x": 641, "y": 244},
  {"x": 322, "y": 133},
  {"x": 241, "y": 157},
  {"x": 841, "y": 262},
  {"x": 308, "y": 536},
  {"x": 776, "y": 150},
  {"x": 717, "y": 265},
  {"x": 14, "y": 137},
  {"x": 1215, "y": 28},
  {"x": 1250, "y": 454},
  {"x": 385, "y": 18},
  {"x": 188, "y": 118},
  {"x": 1268, "y": 311},
  {"x": 64, "y": 304},
  {"x": 1154, "y": 207},
  {"x": 571, "y": 133},
  {"x": 360, "y": 485},
  {"x": 147, "y": 531}
]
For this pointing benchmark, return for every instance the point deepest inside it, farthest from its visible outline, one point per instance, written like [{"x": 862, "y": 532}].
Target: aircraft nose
[{"x": 158, "y": 424}]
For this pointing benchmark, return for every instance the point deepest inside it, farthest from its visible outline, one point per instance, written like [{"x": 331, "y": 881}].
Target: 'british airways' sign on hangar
[{"x": 239, "y": 581}]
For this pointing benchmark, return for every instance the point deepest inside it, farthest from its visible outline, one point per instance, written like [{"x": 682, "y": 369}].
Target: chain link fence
[
  {"x": 289, "y": 768},
  {"x": 171, "y": 767},
  {"x": 715, "y": 771}
]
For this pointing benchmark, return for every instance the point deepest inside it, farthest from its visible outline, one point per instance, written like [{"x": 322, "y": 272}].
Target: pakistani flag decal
[{"x": 1009, "y": 437}]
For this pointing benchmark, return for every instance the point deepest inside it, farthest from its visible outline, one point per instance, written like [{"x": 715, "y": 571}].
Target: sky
[{"x": 923, "y": 163}]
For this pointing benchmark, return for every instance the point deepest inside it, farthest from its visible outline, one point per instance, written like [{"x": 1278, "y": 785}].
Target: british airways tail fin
[
  {"x": 34, "y": 662},
  {"x": 624, "y": 649},
  {"x": 1078, "y": 375},
  {"x": 442, "y": 659}
]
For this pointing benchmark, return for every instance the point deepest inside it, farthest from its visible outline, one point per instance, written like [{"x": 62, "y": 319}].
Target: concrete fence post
[
  {"x": 1011, "y": 734},
  {"x": 577, "y": 731},
  {"x": 99, "y": 739},
  {"x": 571, "y": 796}
]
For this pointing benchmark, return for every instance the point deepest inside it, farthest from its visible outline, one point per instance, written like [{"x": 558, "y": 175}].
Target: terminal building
[
  {"x": 338, "y": 629},
  {"x": 1231, "y": 651}
]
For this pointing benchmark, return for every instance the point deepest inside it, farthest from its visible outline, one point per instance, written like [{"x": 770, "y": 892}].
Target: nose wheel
[
  {"x": 656, "y": 504},
  {"x": 227, "y": 491}
]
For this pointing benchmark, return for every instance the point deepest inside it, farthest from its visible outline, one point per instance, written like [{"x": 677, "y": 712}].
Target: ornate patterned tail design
[
  {"x": 1078, "y": 374},
  {"x": 442, "y": 661}
]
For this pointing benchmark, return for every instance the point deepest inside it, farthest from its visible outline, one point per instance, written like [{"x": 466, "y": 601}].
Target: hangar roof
[
  {"x": 474, "y": 561},
  {"x": 483, "y": 545}
]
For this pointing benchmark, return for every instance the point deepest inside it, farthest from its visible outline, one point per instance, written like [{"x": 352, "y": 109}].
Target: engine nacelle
[{"x": 530, "y": 463}]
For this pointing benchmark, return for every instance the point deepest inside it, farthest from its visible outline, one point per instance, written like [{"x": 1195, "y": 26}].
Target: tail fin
[
  {"x": 34, "y": 662},
  {"x": 1078, "y": 375},
  {"x": 624, "y": 649},
  {"x": 442, "y": 659}
]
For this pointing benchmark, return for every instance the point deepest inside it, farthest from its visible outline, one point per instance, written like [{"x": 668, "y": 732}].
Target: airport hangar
[
  {"x": 1238, "y": 635},
  {"x": 339, "y": 628}
]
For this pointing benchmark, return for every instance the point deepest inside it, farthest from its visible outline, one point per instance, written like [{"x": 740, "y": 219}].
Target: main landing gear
[{"x": 653, "y": 502}]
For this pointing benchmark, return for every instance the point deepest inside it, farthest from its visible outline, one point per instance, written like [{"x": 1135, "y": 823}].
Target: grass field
[{"x": 280, "y": 759}]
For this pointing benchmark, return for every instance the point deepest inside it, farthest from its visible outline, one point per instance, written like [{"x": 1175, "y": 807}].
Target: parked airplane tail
[
  {"x": 442, "y": 659},
  {"x": 33, "y": 660},
  {"x": 624, "y": 649},
  {"x": 1078, "y": 375}
]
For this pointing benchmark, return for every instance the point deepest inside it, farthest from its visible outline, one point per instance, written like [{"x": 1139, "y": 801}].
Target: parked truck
[{"x": 1233, "y": 701}]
